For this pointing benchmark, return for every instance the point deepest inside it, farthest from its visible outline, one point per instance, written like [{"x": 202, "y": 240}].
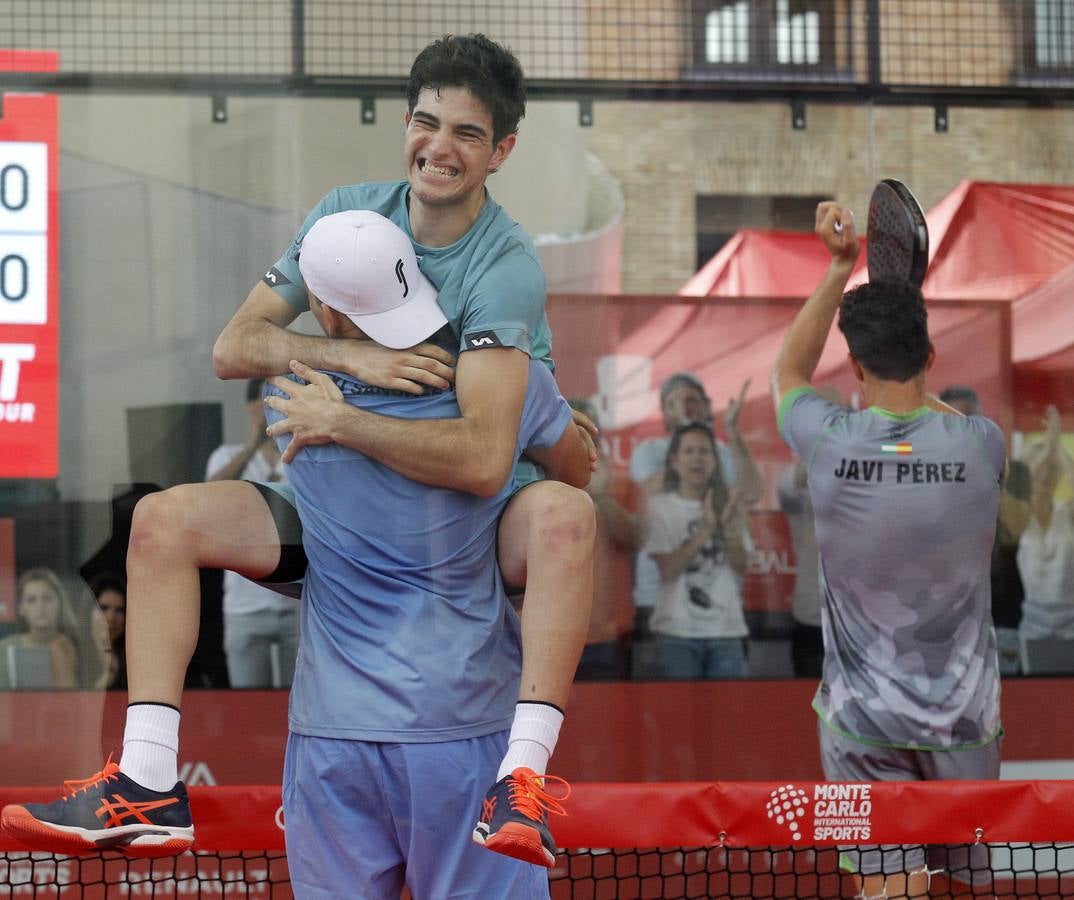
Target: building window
[
  {"x": 719, "y": 216},
  {"x": 763, "y": 34},
  {"x": 1054, "y": 33},
  {"x": 1048, "y": 30}
]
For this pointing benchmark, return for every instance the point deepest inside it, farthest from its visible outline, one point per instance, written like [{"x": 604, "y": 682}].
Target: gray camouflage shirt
[{"x": 905, "y": 509}]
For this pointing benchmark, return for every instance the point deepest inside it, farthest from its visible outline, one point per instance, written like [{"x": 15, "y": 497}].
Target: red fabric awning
[{"x": 1011, "y": 243}]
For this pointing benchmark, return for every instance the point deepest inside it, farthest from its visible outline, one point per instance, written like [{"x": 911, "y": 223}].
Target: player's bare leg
[
  {"x": 175, "y": 533},
  {"x": 545, "y": 542}
]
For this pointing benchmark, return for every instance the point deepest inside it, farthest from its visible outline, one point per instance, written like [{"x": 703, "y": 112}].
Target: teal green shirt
[{"x": 490, "y": 282}]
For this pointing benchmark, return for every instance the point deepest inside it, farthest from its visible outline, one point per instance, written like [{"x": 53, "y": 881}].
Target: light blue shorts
[{"x": 364, "y": 818}]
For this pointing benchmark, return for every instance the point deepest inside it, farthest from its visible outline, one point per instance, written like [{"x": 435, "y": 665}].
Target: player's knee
[
  {"x": 565, "y": 519},
  {"x": 157, "y": 526}
]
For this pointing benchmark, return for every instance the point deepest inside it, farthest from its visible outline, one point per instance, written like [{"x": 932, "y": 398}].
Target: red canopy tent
[{"x": 988, "y": 241}]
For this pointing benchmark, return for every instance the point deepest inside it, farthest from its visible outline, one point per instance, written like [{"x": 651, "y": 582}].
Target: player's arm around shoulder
[
  {"x": 572, "y": 458},
  {"x": 569, "y": 460},
  {"x": 490, "y": 385},
  {"x": 256, "y": 342}
]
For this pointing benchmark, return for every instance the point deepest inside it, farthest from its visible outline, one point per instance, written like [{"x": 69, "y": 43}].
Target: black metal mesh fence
[{"x": 998, "y": 47}]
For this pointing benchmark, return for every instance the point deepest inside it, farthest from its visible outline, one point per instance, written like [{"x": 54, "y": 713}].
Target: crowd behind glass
[{"x": 673, "y": 546}]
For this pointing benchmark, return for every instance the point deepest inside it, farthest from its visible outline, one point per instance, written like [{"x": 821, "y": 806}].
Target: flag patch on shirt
[{"x": 901, "y": 447}]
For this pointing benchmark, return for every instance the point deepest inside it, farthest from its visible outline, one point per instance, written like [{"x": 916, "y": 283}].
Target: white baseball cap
[{"x": 363, "y": 265}]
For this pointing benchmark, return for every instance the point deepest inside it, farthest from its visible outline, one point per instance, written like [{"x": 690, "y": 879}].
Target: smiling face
[
  {"x": 449, "y": 150},
  {"x": 39, "y": 607}
]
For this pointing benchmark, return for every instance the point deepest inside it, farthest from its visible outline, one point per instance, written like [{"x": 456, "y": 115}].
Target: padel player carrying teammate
[
  {"x": 905, "y": 495},
  {"x": 410, "y": 655},
  {"x": 465, "y": 98}
]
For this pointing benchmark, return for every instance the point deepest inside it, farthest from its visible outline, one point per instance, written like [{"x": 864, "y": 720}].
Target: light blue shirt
[{"x": 406, "y": 634}]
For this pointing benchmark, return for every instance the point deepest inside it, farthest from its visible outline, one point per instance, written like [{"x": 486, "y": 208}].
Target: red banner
[
  {"x": 734, "y": 814},
  {"x": 29, "y": 266},
  {"x": 614, "y": 732}
]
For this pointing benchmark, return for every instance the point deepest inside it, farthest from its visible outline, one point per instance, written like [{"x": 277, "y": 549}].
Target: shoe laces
[
  {"x": 528, "y": 796},
  {"x": 108, "y": 773}
]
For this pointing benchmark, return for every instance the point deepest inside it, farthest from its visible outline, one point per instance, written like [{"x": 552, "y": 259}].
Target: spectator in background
[
  {"x": 1008, "y": 593},
  {"x": 807, "y": 640},
  {"x": 42, "y": 654},
  {"x": 1046, "y": 551},
  {"x": 699, "y": 538},
  {"x": 617, "y": 500},
  {"x": 110, "y": 590},
  {"x": 683, "y": 399},
  {"x": 260, "y": 625}
]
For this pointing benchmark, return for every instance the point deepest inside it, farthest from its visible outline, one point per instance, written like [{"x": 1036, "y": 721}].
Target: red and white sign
[{"x": 29, "y": 266}]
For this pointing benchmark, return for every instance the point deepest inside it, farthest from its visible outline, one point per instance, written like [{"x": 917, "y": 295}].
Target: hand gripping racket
[{"x": 898, "y": 245}]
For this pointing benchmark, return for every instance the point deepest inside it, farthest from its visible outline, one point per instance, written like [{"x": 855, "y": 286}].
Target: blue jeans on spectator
[{"x": 682, "y": 659}]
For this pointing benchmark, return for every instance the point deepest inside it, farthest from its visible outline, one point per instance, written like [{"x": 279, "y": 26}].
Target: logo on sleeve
[
  {"x": 483, "y": 339},
  {"x": 274, "y": 278}
]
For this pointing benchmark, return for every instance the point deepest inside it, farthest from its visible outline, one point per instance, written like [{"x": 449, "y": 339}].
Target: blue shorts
[{"x": 364, "y": 818}]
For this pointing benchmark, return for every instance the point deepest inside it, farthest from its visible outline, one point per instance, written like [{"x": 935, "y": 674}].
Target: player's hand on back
[
  {"x": 412, "y": 370},
  {"x": 309, "y": 409},
  {"x": 588, "y": 431},
  {"x": 835, "y": 226}
]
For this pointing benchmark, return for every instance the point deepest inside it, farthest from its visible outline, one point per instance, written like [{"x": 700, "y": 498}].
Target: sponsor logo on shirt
[
  {"x": 483, "y": 339},
  {"x": 274, "y": 278}
]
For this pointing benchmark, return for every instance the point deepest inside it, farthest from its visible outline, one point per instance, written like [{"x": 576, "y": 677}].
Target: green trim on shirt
[
  {"x": 900, "y": 417},
  {"x": 984, "y": 742},
  {"x": 788, "y": 399}
]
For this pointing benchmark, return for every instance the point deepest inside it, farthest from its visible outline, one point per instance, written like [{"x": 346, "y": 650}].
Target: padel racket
[{"x": 898, "y": 245}]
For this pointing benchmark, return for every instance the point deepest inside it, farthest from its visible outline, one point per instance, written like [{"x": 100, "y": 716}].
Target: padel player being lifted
[
  {"x": 465, "y": 99},
  {"x": 905, "y": 494}
]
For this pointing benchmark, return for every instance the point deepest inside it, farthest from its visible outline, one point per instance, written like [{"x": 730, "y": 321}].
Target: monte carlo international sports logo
[{"x": 840, "y": 812}]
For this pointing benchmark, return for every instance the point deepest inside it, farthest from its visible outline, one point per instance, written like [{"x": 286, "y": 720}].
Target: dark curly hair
[
  {"x": 486, "y": 69},
  {"x": 886, "y": 328}
]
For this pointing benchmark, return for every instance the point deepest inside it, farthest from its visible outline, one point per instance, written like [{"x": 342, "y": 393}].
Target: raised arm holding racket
[
  {"x": 897, "y": 254},
  {"x": 804, "y": 341}
]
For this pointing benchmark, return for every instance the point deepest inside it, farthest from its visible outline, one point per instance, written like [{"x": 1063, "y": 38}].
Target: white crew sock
[
  {"x": 533, "y": 737},
  {"x": 151, "y": 746}
]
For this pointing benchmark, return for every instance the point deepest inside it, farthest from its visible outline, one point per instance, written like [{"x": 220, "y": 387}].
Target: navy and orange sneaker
[
  {"x": 105, "y": 812},
  {"x": 514, "y": 817}
]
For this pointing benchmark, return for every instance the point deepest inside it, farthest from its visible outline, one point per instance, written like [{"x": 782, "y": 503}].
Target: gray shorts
[{"x": 845, "y": 759}]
